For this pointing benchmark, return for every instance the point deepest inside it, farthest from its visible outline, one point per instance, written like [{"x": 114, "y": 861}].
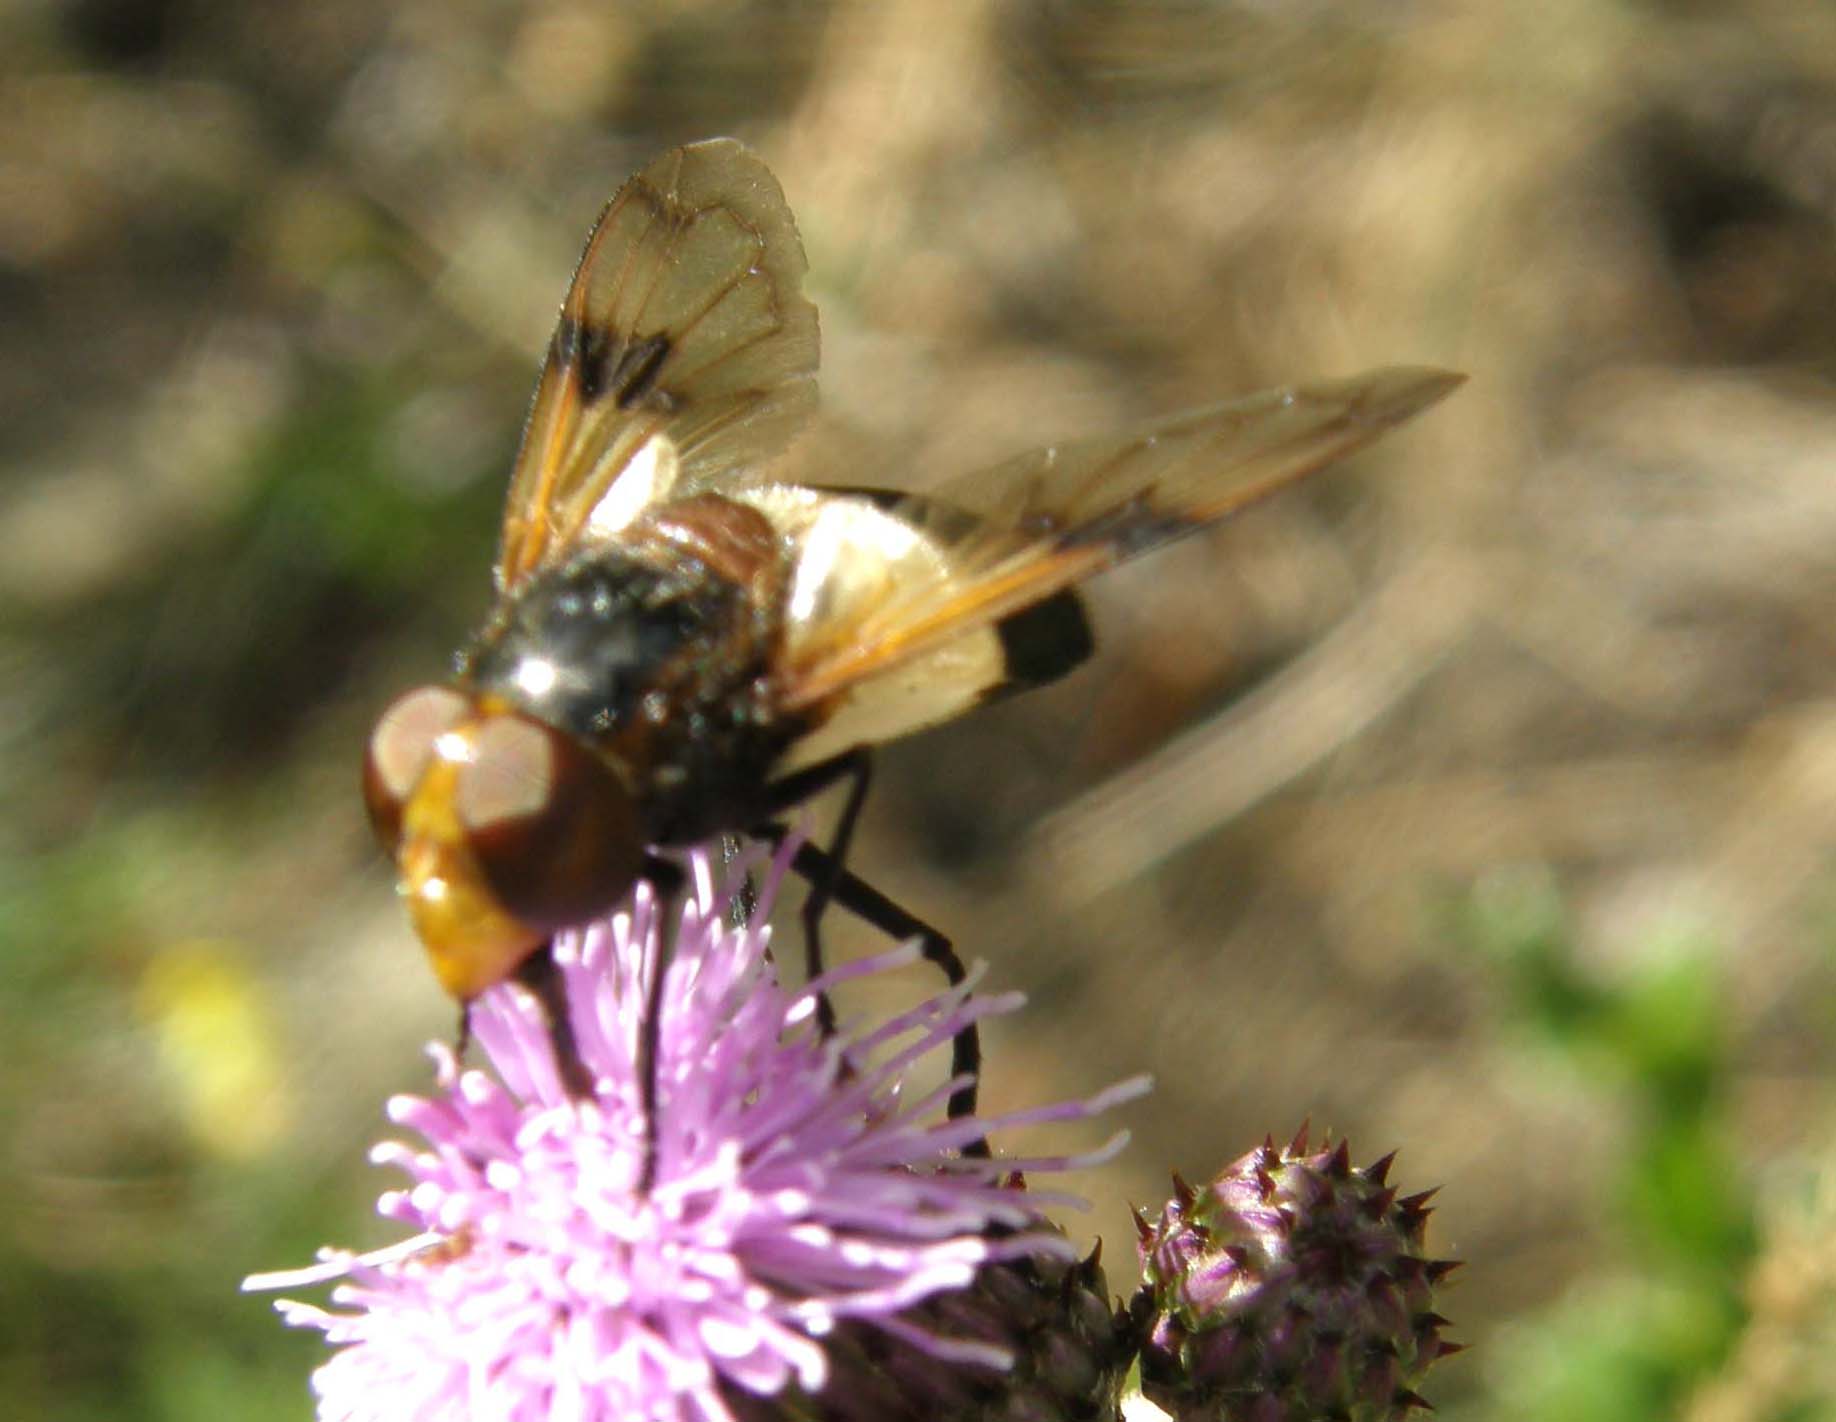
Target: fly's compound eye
[
  {"x": 400, "y": 749},
  {"x": 552, "y": 828}
]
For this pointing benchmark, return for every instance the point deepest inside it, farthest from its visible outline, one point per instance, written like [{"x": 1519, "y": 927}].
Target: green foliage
[{"x": 1649, "y": 1041}]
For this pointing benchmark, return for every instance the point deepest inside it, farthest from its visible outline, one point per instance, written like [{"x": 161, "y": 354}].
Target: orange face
[{"x": 505, "y": 830}]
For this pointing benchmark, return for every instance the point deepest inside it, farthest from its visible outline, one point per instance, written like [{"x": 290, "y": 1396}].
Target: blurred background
[{"x": 1477, "y": 799}]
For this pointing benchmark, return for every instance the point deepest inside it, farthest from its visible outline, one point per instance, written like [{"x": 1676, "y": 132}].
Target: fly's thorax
[{"x": 651, "y": 653}]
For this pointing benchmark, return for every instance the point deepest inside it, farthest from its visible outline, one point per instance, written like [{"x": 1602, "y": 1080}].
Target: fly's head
[{"x": 504, "y": 830}]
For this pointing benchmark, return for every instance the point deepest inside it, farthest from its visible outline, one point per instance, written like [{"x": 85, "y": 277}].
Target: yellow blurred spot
[{"x": 218, "y": 1046}]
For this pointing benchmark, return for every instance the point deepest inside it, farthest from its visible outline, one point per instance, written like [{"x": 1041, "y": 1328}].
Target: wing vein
[
  {"x": 715, "y": 361},
  {"x": 692, "y": 322}
]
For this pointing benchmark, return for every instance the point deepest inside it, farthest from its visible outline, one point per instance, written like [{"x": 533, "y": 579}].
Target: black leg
[
  {"x": 539, "y": 974},
  {"x": 841, "y": 886},
  {"x": 666, "y": 879},
  {"x": 856, "y": 766}
]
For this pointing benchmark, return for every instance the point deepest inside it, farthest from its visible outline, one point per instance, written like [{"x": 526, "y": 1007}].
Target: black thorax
[{"x": 659, "y": 665}]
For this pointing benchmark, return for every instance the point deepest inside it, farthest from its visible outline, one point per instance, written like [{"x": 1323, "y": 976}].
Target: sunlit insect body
[{"x": 684, "y": 647}]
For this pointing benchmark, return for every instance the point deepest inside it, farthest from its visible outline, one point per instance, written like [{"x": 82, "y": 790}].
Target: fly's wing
[
  {"x": 1011, "y": 537},
  {"x": 685, "y": 354}
]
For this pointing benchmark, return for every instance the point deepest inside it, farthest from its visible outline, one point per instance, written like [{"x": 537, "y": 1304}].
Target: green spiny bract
[{"x": 1292, "y": 1288}]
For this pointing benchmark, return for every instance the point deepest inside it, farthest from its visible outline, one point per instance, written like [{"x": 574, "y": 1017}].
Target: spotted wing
[
  {"x": 685, "y": 354},
  {"x": 1011, "y": 538}
]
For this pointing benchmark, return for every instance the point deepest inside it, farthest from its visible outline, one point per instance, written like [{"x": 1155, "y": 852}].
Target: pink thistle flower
[{"x": 795, "y": 1187}]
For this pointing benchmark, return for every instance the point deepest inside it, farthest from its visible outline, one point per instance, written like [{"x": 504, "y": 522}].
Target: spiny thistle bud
[
  {"x": 1068, "y": 1349},
  {"x": 1292, "y": 1288}
]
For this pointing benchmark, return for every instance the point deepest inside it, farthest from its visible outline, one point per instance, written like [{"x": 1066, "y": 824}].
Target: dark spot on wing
[
  {"x": 605, "y": 364},
  {"x": 1042, "y": 642},
  {"x": 634, "y": 378},
  {"x": 582, "y": 350},
  {"x": 1129, "y": 528}
]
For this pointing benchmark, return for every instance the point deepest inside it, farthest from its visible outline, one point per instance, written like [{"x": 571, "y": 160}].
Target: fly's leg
[
  {"x": 666, "y": 879},
  {"x": 542, "y": 976},
  {"x": 831, "y": 881},
  {"x": 856, "y": 767}
]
